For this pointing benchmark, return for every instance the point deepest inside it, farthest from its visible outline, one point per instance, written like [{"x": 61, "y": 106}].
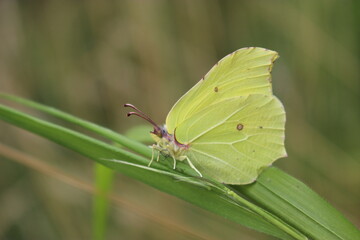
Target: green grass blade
[
  {"x": 79, "y": 142},
  {"x": 105, "y": 132},
  {"x": 208, "y": 198},
  {"x": 104, "y": 177},
  {"x": 299, "y": 206}
]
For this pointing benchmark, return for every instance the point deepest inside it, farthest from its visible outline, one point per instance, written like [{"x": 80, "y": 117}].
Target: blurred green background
[{"x": 90, "y": 57}]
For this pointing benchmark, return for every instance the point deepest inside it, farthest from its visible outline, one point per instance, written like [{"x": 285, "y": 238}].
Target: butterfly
[{"x": 229, "y": 126}]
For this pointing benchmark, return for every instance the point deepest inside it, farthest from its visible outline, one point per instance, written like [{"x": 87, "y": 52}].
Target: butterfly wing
[
  {"x": 243, "y": 72},
  {"x": 233, "y": 140}
]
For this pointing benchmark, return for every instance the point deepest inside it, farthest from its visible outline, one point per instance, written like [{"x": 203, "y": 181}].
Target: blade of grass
[
  {"x": 105, "y": 132},
  {"x": 298, "y": 205},
  {"x": 104, "y": 177}
]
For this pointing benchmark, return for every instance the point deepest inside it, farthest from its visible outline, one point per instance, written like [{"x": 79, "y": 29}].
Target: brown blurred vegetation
[{"x": 89, "y": 57}]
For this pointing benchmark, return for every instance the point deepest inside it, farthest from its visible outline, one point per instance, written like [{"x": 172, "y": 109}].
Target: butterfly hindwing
[
  {"x": 243, "y": 72},
  {"x": 233, "y": 140}
]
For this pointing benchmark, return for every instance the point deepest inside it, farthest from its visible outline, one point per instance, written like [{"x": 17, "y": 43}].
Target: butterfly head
[{"x": 160, "y": 133}]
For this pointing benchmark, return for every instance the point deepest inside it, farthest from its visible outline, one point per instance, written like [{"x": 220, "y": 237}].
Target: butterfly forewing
[
  {"x": 245, "y": 71},
  {"x": 233, "y": 140}
]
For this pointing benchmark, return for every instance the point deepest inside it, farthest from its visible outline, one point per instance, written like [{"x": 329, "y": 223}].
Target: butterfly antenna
[{"x": 142, "y": 115}]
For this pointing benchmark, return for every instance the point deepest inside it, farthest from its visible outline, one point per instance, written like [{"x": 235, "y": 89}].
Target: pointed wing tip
[{"x": 274, "y": 55}]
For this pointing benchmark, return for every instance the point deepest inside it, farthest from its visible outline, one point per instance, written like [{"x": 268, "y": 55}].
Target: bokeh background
[{"x": 89, "y": 57}]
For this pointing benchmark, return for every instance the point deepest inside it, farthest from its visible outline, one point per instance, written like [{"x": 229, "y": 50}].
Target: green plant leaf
[
  {"x": 104, "y": 177},
  {"x": 105, "y": 132},
  {"x": 299, "y": 206}
]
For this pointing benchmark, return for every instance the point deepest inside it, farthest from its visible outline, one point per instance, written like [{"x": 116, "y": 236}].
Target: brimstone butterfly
[{"x": 229, "y": 126}]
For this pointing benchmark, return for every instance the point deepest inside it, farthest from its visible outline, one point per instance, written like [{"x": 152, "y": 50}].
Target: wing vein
[
  {"x": 222, "y": 161},
  {"x": 216, "y": 125}
]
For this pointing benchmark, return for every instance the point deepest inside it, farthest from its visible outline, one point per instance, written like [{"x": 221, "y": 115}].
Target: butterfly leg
[
  {"x": 152, "y": 156},
  {"x": 174, "y": 162},
  {"x": 158, "y": 156},
  {"x": 193, "y": 167}
]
